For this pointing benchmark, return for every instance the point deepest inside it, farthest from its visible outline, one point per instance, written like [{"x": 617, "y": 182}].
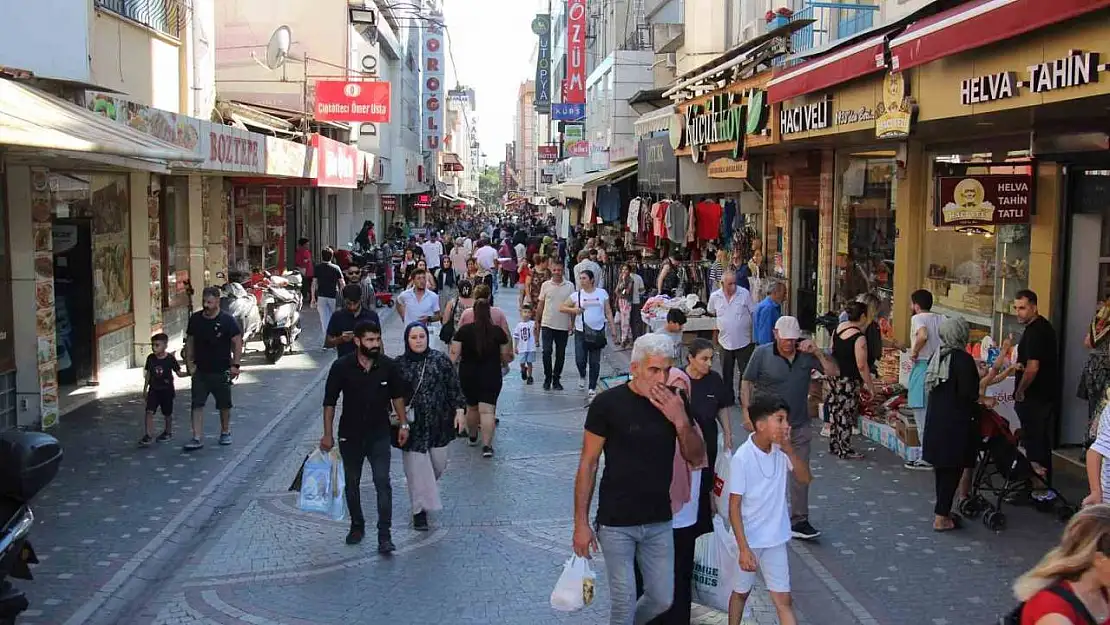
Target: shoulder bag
[
  {"x": 447, "y": 330},
  {"x": 410, "y": 412},
  {"x": 591, "y": 338}
]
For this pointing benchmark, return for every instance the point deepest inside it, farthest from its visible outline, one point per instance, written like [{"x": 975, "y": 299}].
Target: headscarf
[
  {"x": 411, "y": 355},
  {"x": 954, "y": 332},
  {"x": 682, "y": 470}
]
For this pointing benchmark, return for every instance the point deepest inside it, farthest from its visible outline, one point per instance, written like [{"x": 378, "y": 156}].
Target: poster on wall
[
  {"x": 984, "y": 200},
  {"x": 111, "y": 256},
  {"x": 46, "y": 353},
  {"x": 154, "y": 221}
]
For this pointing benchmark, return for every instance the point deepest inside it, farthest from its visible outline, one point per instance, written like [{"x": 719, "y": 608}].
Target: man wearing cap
[{"x": 784, "y": 368}]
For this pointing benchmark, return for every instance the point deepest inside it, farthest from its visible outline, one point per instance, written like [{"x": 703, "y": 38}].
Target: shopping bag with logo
[
  {"x": 716, "y": 566},
  {"x": 720, "y": 480},
  {"x": 320, "y": 480},
  {"x": 575, "y": 588}
]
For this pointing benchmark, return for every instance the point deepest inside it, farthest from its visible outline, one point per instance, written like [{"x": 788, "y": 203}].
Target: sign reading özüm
[{"x": 984, "y": 200}]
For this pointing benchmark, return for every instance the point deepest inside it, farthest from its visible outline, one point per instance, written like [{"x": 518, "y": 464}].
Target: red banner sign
[
  {"x": 548, "y": 152},
  {"x": 389, "y": 202},
  {"x": 364, "y": 102},
  {"x": 575, "y": 90},
  {"x": 336, "y": 163},
  {"x": 984, "y": 200}
]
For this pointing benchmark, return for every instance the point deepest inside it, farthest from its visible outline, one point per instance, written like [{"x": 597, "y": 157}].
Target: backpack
[{"x": 1061, "y": 591}]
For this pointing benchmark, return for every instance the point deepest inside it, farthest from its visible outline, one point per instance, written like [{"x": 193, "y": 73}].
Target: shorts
[
  {"x": 774, "y": 564},
  {"x": 217, "y": 384},
  {"x": 526, "y": 358},
  {"x": 160, "y": 398}
]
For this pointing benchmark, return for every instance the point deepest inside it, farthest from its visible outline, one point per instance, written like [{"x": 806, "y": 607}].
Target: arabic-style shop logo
[{"x": 352, "y": 90}]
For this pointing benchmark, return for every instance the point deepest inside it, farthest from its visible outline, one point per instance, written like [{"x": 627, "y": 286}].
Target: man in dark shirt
[
  {"x": 635, "y": 425},
  {"x": 370, "y": 382},
  {"x": 341, "y": 329},
  {"x": 1034, "y": 396},
  {"x": 327, "y": 282},
  {"x": 214, "y": 347}
]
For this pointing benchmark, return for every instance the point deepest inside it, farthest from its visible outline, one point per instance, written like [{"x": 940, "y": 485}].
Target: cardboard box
[
  {"x": 937, "y": 286},
  {"x": 907, "y": 433},
  {"x": 886, "y": 436}
]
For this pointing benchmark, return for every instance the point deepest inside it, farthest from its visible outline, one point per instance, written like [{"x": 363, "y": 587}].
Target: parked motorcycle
[
  {"x": 281, "y": 321},
  {"x": 28, "y": 462},
  {"x": 237, "y": 301}
]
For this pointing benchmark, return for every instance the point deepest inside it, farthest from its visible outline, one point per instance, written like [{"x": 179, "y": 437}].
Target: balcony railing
[
  {"x": 164, "y": 16},
  {"x": 832, "y": 21}
]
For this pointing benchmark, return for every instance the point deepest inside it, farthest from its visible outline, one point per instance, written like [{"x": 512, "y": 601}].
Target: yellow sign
[
  {"x": 895, "y": 113},
  {"x": 728, "y": 168}
]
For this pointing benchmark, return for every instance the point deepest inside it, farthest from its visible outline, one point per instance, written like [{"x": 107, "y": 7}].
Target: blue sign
[{"x": 562, "y": 112}]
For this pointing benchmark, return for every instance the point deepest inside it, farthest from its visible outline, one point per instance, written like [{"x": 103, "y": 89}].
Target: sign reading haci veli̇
[{"x": 984, "y": 200}]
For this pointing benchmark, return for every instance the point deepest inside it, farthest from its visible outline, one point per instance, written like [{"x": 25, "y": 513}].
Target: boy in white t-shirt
[
  {"x": 758, "y": 509},
  {"x": 524, "y": 339}
]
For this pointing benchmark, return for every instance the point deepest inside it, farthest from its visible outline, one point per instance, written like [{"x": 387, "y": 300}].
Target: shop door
[
  {"x": 804, "y": 276},
  {"x": 75, "y": 326},
  {"x": 1082, "y": 301}
]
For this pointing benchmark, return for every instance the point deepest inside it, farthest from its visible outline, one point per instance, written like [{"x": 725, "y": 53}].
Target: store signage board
[
  {"x": 984, "y": 200},
  {"x": 657, "y": 165},
  {"x": 361, "y": 102},
  {"x": 389, "y": 203},
  {"x": 565, "y": 112},
  {"x": 896, "y": 111},
  {"x": 728, "y": 168},
  {"x": 724, "y": 118},
  {"x": 1074, "y": 70},
  {"x": 337, "y": 163},
  {"x": 541, "y": 27},
  {"x": 433, "y": 91},
  {"x": 548, "y": 152},
  {"x": 854, "y": 116},
  {"x": 574, "y": 89},
  {"x": 574, "y": 140},
  {"x": 807, "y": 117}
]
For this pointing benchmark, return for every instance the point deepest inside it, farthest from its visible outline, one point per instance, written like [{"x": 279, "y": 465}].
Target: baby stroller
[{"x": 1002, "y": 470}]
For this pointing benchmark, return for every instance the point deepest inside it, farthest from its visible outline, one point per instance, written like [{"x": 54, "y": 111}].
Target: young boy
[
  {"x": 758, "y": 509},
  {"x": 673, "y": 329},
  {"x": 158, "y": 388},
  {"x": 524, "y": 336}
]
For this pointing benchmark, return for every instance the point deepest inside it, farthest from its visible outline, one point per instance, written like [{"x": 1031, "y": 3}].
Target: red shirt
[
  {"x": 707, "y": 220},
  {"x": 304, "y": 261},
  {"x": 1047, "y": 602}
]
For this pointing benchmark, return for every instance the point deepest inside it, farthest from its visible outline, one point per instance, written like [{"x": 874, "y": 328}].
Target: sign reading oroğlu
[
  {"x": 1074, "y": 70},
  {"x": 365, "y": 102},
  {"x": 984, "y": 200}
]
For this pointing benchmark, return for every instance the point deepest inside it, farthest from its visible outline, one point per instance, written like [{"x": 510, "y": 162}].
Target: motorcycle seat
[{"x": 283, "y": 295}]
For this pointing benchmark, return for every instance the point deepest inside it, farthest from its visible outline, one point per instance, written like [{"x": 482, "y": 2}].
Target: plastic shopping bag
[
  {"x": 575, "y": 588},
  {"x": 337, "y": 496},
  {"x": 720, "y": 482},
  {"x": 322, "y": 485},
  {"x": 716, "y": 566}
]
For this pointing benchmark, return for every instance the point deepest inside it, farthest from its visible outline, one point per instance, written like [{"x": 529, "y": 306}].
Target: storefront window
[
  {"x": 175, "y": 239},
  {"x": 865, "y": 229},
  {"x": 260, "y": 228}
]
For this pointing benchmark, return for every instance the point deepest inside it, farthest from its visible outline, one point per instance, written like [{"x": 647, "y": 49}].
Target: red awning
[
  {"x": 979, "y": 23},
  {"x": 844, "y": 64}
]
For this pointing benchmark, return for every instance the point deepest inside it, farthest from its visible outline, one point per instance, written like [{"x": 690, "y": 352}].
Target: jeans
[
  {"x": 549, "y": 336},
  {"x": 355, "y": 451},
  {"x": 1036, "y": 432},
  {"x": 583, "y": 356},
  {"x": 651, "y": 547},
  {"x": 326, "y": 307},
  {"x": 732, "y": 360},
  {"x": 685, "y": 539},
  {"x": 801, "y": 437}
]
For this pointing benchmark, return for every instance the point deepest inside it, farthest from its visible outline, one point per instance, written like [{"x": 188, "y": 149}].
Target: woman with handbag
[
  {"x": 481, "y": 347},
  {"x": 454, "y": 310},
  {"x": 592, "y": 315},
  {"x": 435, "y": 412}
]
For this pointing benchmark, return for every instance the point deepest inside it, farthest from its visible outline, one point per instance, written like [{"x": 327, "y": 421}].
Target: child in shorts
[
  {"x": 1098, "y": 469},
  {"x": 158, "y": 388},
  {"x": 524, "y": 339},
  {"x": 758, "y": 509}
]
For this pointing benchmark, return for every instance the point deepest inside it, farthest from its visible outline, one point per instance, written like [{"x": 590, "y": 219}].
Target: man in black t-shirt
[
  {"x": 327, "y": 282},
  {"x": 1034, "y": 394},
  {"x": 214, "y": 347},
  {"x": 635, "y": 425},
  {"x": 341, "y": 329}
]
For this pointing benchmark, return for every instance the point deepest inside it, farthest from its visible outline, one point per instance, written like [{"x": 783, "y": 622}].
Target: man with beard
[
  {"x": 370, "y": 382},
  {"x": 213, "y": 348}
]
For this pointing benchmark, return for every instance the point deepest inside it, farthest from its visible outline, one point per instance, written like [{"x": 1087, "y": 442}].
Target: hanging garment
[
  {"x": 609, "y": 203},
  {"x": 659, "y": 216},
  {"x": 708, "y": 220},
  {"x": 728, "y": 217},
  {"x": 633, "y": 221},
  {"x": 677, "y": 218}
]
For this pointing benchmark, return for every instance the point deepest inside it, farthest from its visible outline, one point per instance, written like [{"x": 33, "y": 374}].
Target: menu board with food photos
[
  {"x": 45, "y": 318},
  {"x": 111, "y": 247}
]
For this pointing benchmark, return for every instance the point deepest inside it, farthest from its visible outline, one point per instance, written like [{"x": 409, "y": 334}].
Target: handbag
[
  {"x": 410, "y": 413},
  {"x": 591, "y": 338},
  {"x": 447, "y": 331}
]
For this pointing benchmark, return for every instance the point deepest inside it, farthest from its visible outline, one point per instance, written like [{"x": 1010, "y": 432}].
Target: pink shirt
[
  {"x": 680, "y": 477},
  {"x": 495, "y": 313}
]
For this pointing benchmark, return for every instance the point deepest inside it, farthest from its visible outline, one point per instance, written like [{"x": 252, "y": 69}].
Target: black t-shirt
[
  {"x": 708, "y": 395},
  {"x": 343, "y": 321},
  {"x": 1038, "y": 342},
  {"x": 489, "y": 355},
  {"x": 212, "y": 340},
  {"x": 639, "y": 458},
  {"x": 367, "y": 395},
  {"x": 161, "y": 371},
  {"x": 327, "y": 277}
]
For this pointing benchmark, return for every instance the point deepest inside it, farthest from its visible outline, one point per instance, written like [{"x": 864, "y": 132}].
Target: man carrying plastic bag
[
  {"x": 575, "y": 588},
  {"x": 322, "y": 485}
]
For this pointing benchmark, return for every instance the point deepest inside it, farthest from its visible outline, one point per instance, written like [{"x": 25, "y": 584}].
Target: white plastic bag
[
  {"x": 716, "y": 566},
  {"x": 322, "y": 485},
  {"x": 575, "y": 588},
  {"x": 720, "y": 482}
]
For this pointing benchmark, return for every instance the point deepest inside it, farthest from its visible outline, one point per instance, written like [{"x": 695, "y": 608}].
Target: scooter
[
  {"x": 281, "y": 322},
  {"x": 237, "y": 301},
  {"x": 28, "y": 462}
]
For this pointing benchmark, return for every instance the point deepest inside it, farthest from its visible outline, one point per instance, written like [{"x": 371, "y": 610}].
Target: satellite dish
[{"x": 277, "y": 50}]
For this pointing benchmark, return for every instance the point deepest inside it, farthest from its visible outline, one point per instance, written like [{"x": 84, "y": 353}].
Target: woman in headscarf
[
  {"x": 1096, "y": 374},
  {"x": 437, "y": 413},
  {"x": 951, "y": 423}
]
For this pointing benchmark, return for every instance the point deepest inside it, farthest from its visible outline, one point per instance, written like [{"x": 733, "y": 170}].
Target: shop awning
[
  {"x": 980, "y": 23},
  {"x": 576, "y": 187},
  {"x": 30, "y": 118},
  {"x": 655, "y": 121},
  {"x": 838, "y": 66},
  {"x": 451, "y": 162}
]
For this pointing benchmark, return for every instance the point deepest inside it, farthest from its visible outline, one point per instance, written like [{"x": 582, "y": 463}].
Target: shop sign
[
  {"x": 1074, "y": 70},
  {"x": 984, "y": 200},
  {"x": 423, "y": 201},
  {"x": 231, "y": 149},
  {"x": 286, "y": 159},
  {"x": 657, "y": 166},
  {"x": 564, "y": 112},
  {"x": 541, "y": 26},
  {"x": 724, "y": 118},
  {"x": 432, "y": 87},
  {"x": 574, "y": 88},
  {"x": 389, "y": 203},
  {"x": 728, "y": 168},
  {"x": 547, "y": 178},
  {"x": 362, "y": 102},
  {"x": 895, "y": 112},
  {"x": 574, "y": 140},
  {"x": 807, "y": 117},
  {"x": 548, "y": 152},
  {"x": 855, "y": 116},
  {"x": 337, "y": 163}
]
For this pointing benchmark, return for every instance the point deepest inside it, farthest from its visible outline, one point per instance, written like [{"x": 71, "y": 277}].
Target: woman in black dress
[
  {"x": 480, "y": 350},
  {"x": 951, "y": 424}
]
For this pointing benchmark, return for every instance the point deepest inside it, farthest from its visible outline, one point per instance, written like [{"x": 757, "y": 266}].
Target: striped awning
[{"x": 655, "y": 121}]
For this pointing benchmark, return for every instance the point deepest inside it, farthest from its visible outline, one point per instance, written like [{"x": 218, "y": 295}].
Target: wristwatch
[{"x": 404, "y": 426}]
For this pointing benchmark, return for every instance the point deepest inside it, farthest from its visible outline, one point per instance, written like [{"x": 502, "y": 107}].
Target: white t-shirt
[
  {"x": 1102, "y": 447},
  {"x": 734, "y": 317},
  {"x": 931, "y": 322},
  {"x": 433, "y": 251},
  {"x": 426, "y": 306},
  {"x": 520, "y": 252},
  {"x": 553, "y": 296},
  {"x": 525, "y": 336},
  {"x": 688, "y": 515},
  {"x": 593, "y": 308},
  {"x": 486, "y": 257},
  {"x": 760, "y": 480}
]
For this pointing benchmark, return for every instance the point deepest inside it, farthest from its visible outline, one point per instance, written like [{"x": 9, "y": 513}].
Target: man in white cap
[{"x": 784, "y": 368}]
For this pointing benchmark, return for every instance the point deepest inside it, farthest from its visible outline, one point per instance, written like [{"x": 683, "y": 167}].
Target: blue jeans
[
  {"x": 652, "y": 548},
  {"x": 584, "y": 356}
]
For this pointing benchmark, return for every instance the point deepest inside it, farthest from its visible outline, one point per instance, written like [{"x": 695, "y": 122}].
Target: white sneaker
[
  {"x": 918, "y": 465},
  {"x": 581, "y": 385},
  {"x": 590, "y": 397}
]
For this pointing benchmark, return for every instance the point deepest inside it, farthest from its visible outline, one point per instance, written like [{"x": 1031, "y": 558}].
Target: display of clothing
[
  {"x": 708, "y": 220},
  {"x": 658, "y": 217},
  {"x": 676, "y": 221},
  {"x": 728, "y": 217},
  {"x": 633, "y": 219},
  {"x": 609, "y": 203}
]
